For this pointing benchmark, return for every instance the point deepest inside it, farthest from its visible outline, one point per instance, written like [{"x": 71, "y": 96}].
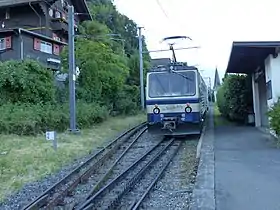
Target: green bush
[
  {"x": 32, "y": 101},
  {"x": 31, "y": 119},
  {"x": 26, "y": 82},
  {"x": 127, "y": 100},
  {"x": 234, "y": 97},
  {"x": 274, "y": 117}
]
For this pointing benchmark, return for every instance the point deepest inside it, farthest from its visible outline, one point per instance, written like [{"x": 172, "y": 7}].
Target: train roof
[{"x": 175, "y": 67}]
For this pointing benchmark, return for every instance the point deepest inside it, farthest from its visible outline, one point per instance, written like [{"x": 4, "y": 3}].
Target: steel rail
[
  {"x": 43, "y": 198},
  {"x": 86, "y": 175},
  {"x": 110, "y": 185},
  {"x": 137, "y": 205},
  {"x": 97, "y": 186}
]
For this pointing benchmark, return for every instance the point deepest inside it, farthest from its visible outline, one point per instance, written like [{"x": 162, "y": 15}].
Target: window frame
[
  {"x": 6, "y": 43},
  {"x": 47, "y": 46}
]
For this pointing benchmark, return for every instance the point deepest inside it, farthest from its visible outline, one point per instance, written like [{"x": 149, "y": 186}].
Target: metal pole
[
  {"x": 72, "y": 72},
  {"x": 141, "y": 68}
]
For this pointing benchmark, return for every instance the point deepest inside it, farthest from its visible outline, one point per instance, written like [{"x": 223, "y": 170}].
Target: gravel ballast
[{"x": 173, "y": 190}]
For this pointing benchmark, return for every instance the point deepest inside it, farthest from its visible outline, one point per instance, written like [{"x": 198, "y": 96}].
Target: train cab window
[{"x": 171, "y": 84}]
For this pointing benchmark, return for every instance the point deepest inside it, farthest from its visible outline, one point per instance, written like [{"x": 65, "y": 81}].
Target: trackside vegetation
[
  {"x": 25, "y": 159},
  {"x": 234, "y": 102},
  {"x": 274, "y": 117},
  {"x": 33, "y": 101},
  {"x": 234, "y": 98}
]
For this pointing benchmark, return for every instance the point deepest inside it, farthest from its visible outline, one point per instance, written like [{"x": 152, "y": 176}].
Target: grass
[
  {"x": 27, "y": 159},
  {"x": 219, "y": 119}
]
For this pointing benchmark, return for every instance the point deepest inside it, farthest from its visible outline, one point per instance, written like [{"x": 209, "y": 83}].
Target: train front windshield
[{"x": 171, "y": 84}]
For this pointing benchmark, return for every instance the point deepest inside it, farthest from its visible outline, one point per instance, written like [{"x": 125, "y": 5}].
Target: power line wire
[{"x": 162, "y": 9}]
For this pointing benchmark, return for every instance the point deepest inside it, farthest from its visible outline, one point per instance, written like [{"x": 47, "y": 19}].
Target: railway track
[
  {"x": 57, "y": 194},
  {"x": 122, "y": 191},
  {"x": 119, "y": 176}
]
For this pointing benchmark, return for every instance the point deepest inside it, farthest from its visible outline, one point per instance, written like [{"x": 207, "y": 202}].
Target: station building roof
[{"x": 245, "y": 57}]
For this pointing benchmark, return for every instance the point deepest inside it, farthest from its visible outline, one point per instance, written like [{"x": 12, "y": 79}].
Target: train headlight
[
  {"x": 156, "y": 110},
  {"x": 188, "y": 109}
]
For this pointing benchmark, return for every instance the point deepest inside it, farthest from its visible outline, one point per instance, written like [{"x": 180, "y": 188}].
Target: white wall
[
  {"x": 261, "y": 102},
  {"x": 272, "y": 72}
]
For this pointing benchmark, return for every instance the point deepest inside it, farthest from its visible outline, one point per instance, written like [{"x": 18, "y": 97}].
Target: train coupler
[{"x": 169, "y": 125}]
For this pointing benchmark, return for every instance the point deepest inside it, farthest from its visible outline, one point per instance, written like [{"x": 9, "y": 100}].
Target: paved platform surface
[
  {"x": 247, "y": 170},
  {"x": 203, "y": 197}
]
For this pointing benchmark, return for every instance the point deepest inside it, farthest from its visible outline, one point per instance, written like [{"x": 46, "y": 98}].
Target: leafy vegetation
[
  {"x": 274, "y": 117},
  {"x": 107, "y": 55},
  {"x": 27, "y": 158},
  {"x": 234, "y": 97},
  {"x": 34, "y": 101}
]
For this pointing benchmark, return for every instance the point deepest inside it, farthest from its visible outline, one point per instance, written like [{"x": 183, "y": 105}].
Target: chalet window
[
  {"x": 2, "y": 44},
  {"x": 5, "y": 43},
  {"x": 42, "y": 46},
  {"x": 46, "y": 47}
]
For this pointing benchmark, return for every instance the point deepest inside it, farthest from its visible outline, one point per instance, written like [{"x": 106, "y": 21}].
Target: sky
[{"x": 211, "y": 24}]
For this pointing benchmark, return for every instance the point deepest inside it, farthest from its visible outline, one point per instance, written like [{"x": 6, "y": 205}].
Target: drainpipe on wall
[{"x": 21, "y": 44}]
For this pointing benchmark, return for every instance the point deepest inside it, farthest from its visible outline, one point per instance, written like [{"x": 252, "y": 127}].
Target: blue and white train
[{"x": 176, "y": 100}]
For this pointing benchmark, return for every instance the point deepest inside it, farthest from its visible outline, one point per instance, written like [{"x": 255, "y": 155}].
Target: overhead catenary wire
[{"x": 162, "y": 9}]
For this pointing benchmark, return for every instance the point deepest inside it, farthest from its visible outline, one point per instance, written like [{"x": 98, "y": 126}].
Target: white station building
[{"x": 260, "y": 60}]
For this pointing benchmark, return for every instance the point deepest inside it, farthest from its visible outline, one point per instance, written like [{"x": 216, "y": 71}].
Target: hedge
[
  {"x": 32, "y": 119},
  {"x": 234, "y": 97}
]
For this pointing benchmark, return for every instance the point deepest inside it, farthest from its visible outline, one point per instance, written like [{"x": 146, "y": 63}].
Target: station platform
[
  {"x": 247, "y": 169},
  {"x": 239, "y": 169}
]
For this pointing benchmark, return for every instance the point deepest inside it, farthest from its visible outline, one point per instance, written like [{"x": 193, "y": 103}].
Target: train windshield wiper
[{"x": 182, "y": 75}]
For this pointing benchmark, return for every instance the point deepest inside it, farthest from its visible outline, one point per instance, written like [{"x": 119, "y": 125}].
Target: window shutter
[
  {"x": 8, "y": 42},
  {"x": 37, "y": 44},
  {"x": 56, "y": 49}
]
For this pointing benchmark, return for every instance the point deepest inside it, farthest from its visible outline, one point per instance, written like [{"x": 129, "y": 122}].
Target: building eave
[
  {"x": 245, "y": 57},
  {"x": 10, "y": 3},
  {"x": 40, "y": 36},
  {"x": 21, "y": 30},
  {"x": 82, "y": 7}
]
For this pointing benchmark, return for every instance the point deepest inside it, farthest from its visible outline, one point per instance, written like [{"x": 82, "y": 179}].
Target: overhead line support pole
[
  {"x": 72, "y": 71},
  {"x": 141, "y": 68}
]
